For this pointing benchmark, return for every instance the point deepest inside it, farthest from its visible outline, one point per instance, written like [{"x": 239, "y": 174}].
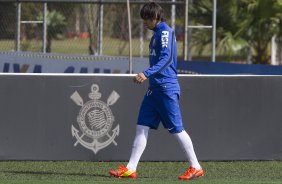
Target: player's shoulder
[
  {"x": 164, "y": 31},
  {"x": 165, "y": 27}
]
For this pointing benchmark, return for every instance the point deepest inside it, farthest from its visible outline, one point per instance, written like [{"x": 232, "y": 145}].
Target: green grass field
[
  {"x": 111, "y": 46},
  {"x": 82, "y": 172}
]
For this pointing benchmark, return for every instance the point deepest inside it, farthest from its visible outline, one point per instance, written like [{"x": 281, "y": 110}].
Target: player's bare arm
[{"x": 139, "y": 78}]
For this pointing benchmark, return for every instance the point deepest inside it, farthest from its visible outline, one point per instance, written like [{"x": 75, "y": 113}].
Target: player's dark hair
[{"x": 152, "y": 11}]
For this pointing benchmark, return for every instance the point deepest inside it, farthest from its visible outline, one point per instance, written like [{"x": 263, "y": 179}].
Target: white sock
[
  {"x": 187, "y": 146},
  {"x": 138, "y": 146}
]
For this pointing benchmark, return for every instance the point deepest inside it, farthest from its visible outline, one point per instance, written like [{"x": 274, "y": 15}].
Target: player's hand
[{"x": 139, "y": 78}]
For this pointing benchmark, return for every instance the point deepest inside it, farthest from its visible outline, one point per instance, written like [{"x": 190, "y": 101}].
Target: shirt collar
[{"x": 158, "y": 26}]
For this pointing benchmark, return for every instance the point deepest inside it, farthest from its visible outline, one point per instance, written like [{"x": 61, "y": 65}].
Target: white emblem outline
[{"x": 95, "y": 120}]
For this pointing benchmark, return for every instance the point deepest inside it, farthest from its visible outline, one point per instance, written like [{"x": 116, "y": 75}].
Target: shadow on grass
[
  {"x": 56, "y": 173},
  {"x": 48, "y": 173}
]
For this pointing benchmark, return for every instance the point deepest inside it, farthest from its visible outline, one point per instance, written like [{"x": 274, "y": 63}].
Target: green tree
[
  {"x": 261, "y": 24},
  {"x": 242, "y": 25},
  {"x": 56, "y": 23}
]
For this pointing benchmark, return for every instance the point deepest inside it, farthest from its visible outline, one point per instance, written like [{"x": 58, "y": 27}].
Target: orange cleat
[
  {"x": 192, "y": 173},
  {"x": 123, "y": 172}
]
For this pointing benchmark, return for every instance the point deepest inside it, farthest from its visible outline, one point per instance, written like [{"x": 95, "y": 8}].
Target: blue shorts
[{"x": 161, "y": 106}]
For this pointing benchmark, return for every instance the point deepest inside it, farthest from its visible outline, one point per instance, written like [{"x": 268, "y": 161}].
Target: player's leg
[
  {"x": 186, "y": 144},
  {"x": 138, "y": 147},
  {"x": 148, "y": 118},
  {"x": 172, "y": 120}
]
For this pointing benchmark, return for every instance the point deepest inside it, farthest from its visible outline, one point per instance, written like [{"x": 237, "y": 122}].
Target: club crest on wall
[{"x": 95, "y": 120}]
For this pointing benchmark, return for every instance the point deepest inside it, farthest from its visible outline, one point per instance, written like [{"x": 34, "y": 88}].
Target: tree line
[{"x": 244, "y": 27}]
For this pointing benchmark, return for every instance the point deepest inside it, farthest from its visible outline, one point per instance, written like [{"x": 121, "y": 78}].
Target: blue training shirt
[{"x": 162, "y": 73}]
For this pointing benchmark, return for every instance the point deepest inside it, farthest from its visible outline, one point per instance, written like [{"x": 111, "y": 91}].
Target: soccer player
[{"x": 161, "y": 101}]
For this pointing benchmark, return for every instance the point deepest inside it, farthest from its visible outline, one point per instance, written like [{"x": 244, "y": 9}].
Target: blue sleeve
[{"x": 165, "y": 42}]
